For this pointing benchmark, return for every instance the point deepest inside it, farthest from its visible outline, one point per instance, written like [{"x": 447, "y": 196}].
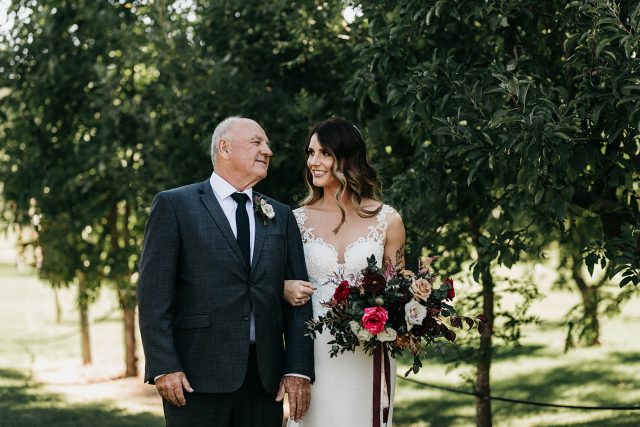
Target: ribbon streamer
[{"x": 381, "y": 385}]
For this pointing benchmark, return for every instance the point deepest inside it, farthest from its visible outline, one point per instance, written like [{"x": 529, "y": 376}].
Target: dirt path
[{"x": 83, "y": 384}]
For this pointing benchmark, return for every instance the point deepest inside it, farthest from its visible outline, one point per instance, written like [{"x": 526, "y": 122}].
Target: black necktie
[{"x": 242, "y": 225}]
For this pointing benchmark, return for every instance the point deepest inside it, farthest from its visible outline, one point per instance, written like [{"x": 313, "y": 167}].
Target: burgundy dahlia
[{"x": 373, "y": 283}]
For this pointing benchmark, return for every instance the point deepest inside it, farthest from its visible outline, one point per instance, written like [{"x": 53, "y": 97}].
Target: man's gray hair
[{"x": 222, "y": 131}]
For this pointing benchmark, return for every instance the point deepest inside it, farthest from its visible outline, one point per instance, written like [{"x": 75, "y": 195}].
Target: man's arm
[
  {"x": 299, "y": 346},
  {"x": 156, "y": 287}
]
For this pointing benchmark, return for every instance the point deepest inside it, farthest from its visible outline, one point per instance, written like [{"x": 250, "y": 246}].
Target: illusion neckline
[
  {"x": 376, "y": 234},
  {"x": 334, "y": 250}
]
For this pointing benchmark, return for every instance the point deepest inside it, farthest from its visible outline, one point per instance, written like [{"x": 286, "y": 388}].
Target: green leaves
[{"x": 590, "y": 261}]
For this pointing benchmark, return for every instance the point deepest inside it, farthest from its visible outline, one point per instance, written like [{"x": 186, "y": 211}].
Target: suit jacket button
[{"x": 246, "y": 318}]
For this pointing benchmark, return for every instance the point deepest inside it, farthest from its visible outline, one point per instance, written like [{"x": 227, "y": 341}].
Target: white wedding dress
[{"x": 341, "y": 395}]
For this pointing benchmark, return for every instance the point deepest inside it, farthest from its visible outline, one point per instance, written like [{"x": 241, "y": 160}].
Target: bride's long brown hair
[{"x": 351, "y": 167}]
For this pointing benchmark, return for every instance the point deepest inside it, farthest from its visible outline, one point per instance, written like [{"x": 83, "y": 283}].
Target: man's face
[{"x": 249, "y": 151}]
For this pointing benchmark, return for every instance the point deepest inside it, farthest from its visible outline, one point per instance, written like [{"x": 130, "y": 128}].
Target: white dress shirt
[{"x": 223, "y": 191}]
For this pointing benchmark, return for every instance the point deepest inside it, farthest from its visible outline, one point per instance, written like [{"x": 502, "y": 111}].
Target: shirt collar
[{"x": 223, "y": 189}]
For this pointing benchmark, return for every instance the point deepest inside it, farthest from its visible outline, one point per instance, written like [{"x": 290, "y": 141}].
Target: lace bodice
[{"x": 322, "y": 258}]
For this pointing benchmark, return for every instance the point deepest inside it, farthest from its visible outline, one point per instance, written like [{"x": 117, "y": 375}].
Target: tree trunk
[
  {"x": 126, "y": 291},
  {"x": 83, "y": 307},
  {"x": 131, "y": 359},
  {"x": 56, "y": 299},
  {"x": 483, "y": 378},
  {"x": 590, "y": 298}
]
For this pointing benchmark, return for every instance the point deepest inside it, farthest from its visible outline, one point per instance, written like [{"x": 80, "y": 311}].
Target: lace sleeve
[
  {"x": 301, "y": 218},
  {"x": 378, "y": 233}
]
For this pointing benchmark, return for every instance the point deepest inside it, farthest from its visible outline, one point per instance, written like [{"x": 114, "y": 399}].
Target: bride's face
[{"x": 320, "y": 162}]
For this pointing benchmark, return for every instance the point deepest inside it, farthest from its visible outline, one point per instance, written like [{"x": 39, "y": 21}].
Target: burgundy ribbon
[{"x": 381, "y": 357}]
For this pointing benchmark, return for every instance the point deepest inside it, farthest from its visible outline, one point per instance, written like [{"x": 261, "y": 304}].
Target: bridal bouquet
[{"x": 396, "y": 310}]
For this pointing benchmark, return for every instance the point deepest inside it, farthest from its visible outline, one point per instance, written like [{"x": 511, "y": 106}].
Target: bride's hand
[{"x": 297, "y": 292}]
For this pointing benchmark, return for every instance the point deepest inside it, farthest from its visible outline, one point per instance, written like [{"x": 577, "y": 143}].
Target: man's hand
[
  {"x": 170, "y": 388},
  {"x": 299, "y": 391}
]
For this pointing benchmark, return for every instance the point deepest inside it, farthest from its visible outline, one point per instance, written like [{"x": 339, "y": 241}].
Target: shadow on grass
[
  {"x": 510, "y": 353},
  {"x": 431, "y": 412},
  {"x": 625, "y": 357},
  {"x": 453, "y": 354},
  {"x": 25, "y": 404},
  {"x": 624, "y": 420},
  {"x": 580, "y": 384},
  {"x": 588, "y": 384}
]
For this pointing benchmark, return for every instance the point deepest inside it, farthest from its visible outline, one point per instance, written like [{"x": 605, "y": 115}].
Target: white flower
[
  {"x": 414, "y": 313},
  {"x": 267, "y": 209},
  {"x": 389, "y": 334},
  {"x": 359, "y": 331},
  {"x": 355, "y": 327},
  {"x": 364, "y": 335}
]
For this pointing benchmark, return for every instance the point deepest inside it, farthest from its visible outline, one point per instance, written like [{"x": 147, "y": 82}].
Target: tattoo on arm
[{"x": 400, "y": 256}]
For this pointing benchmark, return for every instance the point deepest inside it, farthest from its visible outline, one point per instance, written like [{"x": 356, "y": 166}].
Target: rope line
[
  {"x": 62, "y": 336},
  {"x": 524, "y": 402}
]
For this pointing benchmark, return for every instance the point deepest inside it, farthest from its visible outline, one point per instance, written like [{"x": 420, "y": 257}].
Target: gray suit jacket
[{"x": 196, "y": 293}]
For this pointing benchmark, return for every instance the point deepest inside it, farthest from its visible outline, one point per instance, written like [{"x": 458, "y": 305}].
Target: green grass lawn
[
  {"x": 538, "y": 370},
  {"x": 31, "y": 341},
  {"x": 23, "y": 403}
]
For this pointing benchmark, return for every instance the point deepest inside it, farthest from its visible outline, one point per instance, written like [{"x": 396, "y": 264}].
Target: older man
[{"x": 220, "y": 344}]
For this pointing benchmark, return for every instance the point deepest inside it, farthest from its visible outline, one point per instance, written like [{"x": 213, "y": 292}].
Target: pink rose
[{"x": 374, "y": 319}]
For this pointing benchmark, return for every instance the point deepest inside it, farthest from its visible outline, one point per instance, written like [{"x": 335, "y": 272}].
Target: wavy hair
[{"x": 351, "y": 168}]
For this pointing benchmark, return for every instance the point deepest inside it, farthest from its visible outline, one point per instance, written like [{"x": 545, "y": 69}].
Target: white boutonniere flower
[{"x": 264, "y": 209}]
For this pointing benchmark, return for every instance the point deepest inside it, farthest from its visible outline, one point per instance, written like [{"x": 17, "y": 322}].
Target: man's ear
[{"x": 223, "y": 149}]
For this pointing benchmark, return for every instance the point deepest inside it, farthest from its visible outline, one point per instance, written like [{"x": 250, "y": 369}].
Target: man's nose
[{"x": 266, "y": 151}]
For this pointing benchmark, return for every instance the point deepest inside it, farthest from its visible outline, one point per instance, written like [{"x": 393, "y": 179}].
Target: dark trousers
[{"x": 249, "y": 406}]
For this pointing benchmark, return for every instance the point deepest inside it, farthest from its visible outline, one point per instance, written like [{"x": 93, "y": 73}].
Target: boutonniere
[{"x": 264, "y": 209}]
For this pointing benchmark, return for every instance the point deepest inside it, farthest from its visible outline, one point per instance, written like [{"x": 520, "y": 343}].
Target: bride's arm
[
  {"x": 297, "y": 292},
  {"x": 394, "y": 242}
]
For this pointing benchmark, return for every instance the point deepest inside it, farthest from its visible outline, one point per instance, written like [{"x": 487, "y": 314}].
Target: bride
[{"x": 342, "y": 222}]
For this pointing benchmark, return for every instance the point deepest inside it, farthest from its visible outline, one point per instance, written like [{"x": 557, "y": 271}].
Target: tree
[
  {"x": 520, "y": 114},
  {"x": 282, "y": 63},
  {"x": 111, "y": 102},
  {"x": 599, "y": 296},
  {"x": 71, "y": 146}
]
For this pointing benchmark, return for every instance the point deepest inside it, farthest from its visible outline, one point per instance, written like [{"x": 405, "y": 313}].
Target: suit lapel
[
  {"x": 217, "y": 214},
  {"x": 261, "y": 231}
]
